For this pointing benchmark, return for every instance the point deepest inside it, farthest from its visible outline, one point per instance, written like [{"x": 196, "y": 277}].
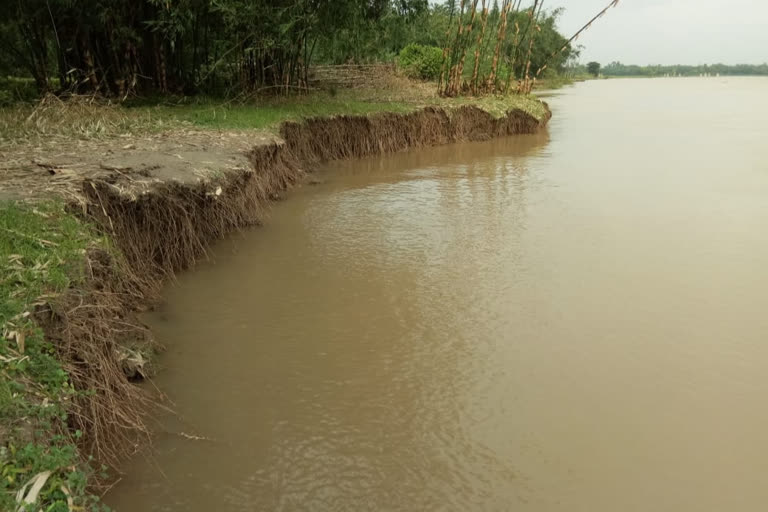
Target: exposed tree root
[{"x": 88, "y": 326}]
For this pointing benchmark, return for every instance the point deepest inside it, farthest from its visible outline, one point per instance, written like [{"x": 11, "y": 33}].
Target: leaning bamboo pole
[{"x": 575, "y": 36}]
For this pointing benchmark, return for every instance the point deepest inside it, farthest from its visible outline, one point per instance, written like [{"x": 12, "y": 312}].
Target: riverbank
[{"x": 100, "y": 208}]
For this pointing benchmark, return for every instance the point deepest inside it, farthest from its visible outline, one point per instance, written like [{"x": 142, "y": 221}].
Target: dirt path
[{"x": 58, "y": 168}]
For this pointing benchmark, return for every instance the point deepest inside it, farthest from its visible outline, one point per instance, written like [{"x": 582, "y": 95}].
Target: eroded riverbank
[{"x": 161, "y": 221}]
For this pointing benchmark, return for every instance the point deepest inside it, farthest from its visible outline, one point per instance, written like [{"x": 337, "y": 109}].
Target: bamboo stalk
[
  {"x": 473, "y": 82},
  {"x": 452, "y": 50},
  {"x": 511, "y": 65},
  {"x": 484, "y": 51},
  {"x": 499, "y": 40},
  {"x": 443, "y": 64},
  {"x": 464, "y": 46},
  {"x": 531, "y": 39},
  {"x": 524, "y": 34},
  {"x": 613, "y": 3}
]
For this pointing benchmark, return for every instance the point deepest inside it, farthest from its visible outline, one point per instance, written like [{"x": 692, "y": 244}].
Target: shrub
[
  {"x": 6, "y": 98},
  {"x": 419, "y": 61},
  {"x": 15, "y": 90}
]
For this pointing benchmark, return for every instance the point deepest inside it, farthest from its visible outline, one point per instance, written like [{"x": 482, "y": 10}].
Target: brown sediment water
[{"x": 572, "y": 320}]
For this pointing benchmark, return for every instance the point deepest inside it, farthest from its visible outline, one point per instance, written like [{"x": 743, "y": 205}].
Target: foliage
[
  {"x": 548, "y": 40},
  {"x": 500, "y": 105},
  {"x": 61, "y": 122},
  {"x": 78, "y": 118},
  {"x": 419, "y": 61},
  {"x": 375, "y": 34},
  {"x": 41, "y": 251},
  {"x": 226, "y": 47},
  {"x": 15, "y": 90},
  {"x": 619, "y": 69},
  {"x": 593, "y": 68},
  {"x": 85, "y": 119},
  {"x": 503, "y": 48},
  {"x": 122, "y": 46}
]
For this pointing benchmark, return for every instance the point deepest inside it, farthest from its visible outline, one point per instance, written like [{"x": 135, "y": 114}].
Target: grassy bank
[
  {"x": 41, "y": 250},
  {"x": 87, "y": 118}
]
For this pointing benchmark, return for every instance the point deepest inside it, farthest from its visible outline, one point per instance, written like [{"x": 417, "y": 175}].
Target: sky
[{"x": 669, "y": 31}]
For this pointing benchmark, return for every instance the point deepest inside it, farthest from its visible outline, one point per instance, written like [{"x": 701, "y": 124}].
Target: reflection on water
[{"x": 567, "y": 321}]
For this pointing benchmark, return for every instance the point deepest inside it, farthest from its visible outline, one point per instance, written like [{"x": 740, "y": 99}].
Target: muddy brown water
[{"x": 575, "y": 320}]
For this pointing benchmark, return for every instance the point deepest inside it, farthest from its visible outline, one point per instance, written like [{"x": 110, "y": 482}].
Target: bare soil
[{"x": 58, "y": 168}]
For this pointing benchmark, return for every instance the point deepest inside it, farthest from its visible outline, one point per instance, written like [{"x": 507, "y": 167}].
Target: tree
[
  {"x": 593, "y": 68},
  {"x": 120, "y": 48}
]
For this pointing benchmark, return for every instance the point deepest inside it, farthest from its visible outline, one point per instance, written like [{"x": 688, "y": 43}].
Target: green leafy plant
[
  {"x": 41, "y": 248},
  {"x": 420, "y": 61}
]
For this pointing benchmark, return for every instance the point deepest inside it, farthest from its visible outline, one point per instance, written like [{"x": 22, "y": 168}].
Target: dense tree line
[
  {"x": 118, "y": 47},
  {"x": 619, "y": 69}
]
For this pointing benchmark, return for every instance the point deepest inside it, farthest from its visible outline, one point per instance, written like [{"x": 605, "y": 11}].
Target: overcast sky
[{"x": 669, "y": 31}]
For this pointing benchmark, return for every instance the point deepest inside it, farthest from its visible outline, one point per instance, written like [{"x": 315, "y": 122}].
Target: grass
[
  {"x": 15, "y": 89},
  {"x": 86, "y": 118},
  {"x": 41, "y": 251},
  {"x": 266, "y": 115},
  {"x": 500, "y": 105},
  {"x": 560, "y": 81},
  {"x": 77, "y": 118}
]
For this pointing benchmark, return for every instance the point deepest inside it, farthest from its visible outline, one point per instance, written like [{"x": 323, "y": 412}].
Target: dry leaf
[
  {"x": 35, "y": 485},
  {"x": 20, "y": 341}
]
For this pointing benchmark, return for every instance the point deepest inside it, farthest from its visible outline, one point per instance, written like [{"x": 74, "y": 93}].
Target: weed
[
  {"x": 88, "y": 118},
  {"x": 41, "y": 250}
]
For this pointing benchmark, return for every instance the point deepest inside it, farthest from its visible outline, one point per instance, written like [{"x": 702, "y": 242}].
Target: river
[{"x": 570, "y": 321}]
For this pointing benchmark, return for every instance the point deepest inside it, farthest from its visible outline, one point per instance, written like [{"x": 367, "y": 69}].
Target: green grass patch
[
  {"x": 268, "y": 115},
  {"x": 41, "y": 252},
  {"x": 15, "y": 90},
  {"x": 83, "y": 118},
  {"x": 78, "y": 118},
  {"x": 498, "y": 106}
]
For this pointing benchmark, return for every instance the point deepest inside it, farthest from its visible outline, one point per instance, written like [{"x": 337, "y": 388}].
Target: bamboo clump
[
  {"x": 478, "y": 43},
  {"x": 501, "y": 34},
  {"x": 502, "y": 58},
  {"x": 489, "y": 53}
]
